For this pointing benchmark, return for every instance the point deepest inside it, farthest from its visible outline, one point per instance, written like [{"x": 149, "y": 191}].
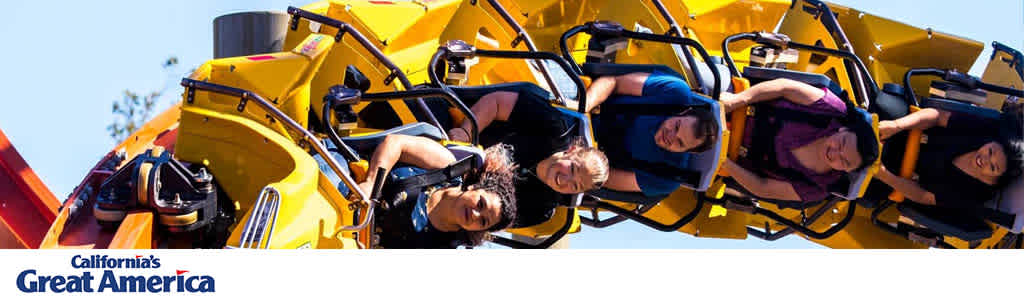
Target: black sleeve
[
  {"x": 536, "y": 117},
  {"x": 535, "y": 202},
  {"x": 961, "y": 194},
  {"x": 963, "y": 123}
]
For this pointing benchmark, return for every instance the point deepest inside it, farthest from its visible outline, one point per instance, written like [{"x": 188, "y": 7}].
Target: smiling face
[
  {"x": 840, "y": 151},
  {"x": 472, "y": 210},
  {"x": 678, "y": 134},
  {"x": 989, "y": 160},
  {"x": 565, "y": 174}
]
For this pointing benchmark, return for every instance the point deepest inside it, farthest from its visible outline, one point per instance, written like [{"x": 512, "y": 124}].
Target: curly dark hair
[
  {"x": 498, "y": 177},
  {"x": 1011, "y": 138}
]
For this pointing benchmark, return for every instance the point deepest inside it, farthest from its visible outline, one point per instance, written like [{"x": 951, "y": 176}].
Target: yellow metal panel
[
  {"x": 890, "y": 48},
  {"x": 998, "y": 71},
  {"x": 552, "y": 225}
]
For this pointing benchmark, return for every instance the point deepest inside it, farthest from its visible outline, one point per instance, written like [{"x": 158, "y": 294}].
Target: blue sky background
[{"x": 64, "y": 63}]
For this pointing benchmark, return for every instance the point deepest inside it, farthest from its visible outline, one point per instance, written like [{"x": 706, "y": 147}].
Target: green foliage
[{"x": 134, "y": 109}]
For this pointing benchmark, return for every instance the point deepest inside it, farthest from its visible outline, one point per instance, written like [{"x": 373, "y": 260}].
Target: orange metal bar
[
  {"x": 135, "y": 232},
  {"x": 28, "y": 206},
  {"x": 911, "y": 152},
  {"x": 738, "y": 120}
]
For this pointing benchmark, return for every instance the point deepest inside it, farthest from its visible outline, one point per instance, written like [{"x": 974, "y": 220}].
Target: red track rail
[{"x": 27, "y": 207}]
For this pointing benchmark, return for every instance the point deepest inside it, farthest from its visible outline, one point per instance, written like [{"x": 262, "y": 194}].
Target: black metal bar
[
  {"x": 831, "y": 24},
  {"x": 728, "y": 57},
  {"x": 903, "y": 230},
  {"x": 1017, "y": 62},
  {"x": 639, "y": 218},
  {"x": 674, "y": 27},
  {"x": 961, "y": 79},
  {"x": 757, "y": 37},
  {"x": 443, "y": 93},
  {"x": 370, "y": 47},
  {"x": 598, "y": 223},
  {"x": 621, "y": 32},
  {"x": 563, "y": 44},
  {"x": 770, "y": 236},
  {"x": 543, "y": 244},
  {"x": 850, "y": 212},
  {"x": 581, "y": 90},
  {"x": 521, "y": 33}
]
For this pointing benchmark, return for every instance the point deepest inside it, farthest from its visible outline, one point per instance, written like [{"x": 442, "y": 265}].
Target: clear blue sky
[{"x": 64, "y": 64}]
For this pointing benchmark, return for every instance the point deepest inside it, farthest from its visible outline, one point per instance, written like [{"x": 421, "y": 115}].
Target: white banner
[{"x": 509, "y": 274}]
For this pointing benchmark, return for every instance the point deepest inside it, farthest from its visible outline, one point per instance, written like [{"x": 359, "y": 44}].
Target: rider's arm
[
  {"x": 761, "y": 187},
  {"x": 496, "y": 106},
  {"x": 908, "y": 187},
  {"x": 922, "y": 119},
  {"x": 794, "y": 91},
  {"x": 631, "y": 84},
  {"x": 622, "y": 180},
  {"x": 417, "y": 151}
]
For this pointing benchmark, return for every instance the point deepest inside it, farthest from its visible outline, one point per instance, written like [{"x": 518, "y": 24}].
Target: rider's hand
[
  {"x": 366, "y": 187},
  {"x": 887, "y": 129},
  {"x": 458, "y": 134}
]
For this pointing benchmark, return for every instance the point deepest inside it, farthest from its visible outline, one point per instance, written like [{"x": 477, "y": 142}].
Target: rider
[
  {"x": 633, "y": 138},
  {"x": 456, "y": 212},
  {"x": 961, "y": 172},
  {"x": 555, "y": 162},
  {"x": 800, "y": 160}
]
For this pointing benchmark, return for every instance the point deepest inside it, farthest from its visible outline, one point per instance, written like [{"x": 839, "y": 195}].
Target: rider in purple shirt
[{"x": 819, "y": 156}]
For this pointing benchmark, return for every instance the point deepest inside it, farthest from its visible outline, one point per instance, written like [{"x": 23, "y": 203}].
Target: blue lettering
[
  {"x": 156, "y": 262},
  {"x": 31, "y": 288},
  {"x": 206, "y": 285},
  {"x": 57, "y": 284},
  {"x": 108, "y": 282}
]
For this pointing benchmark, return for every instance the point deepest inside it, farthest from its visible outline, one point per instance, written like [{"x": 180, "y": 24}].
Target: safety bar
[
  {"x": 961, "y": 79},
  {"x": 639, "y": 218},
  {"x": 344, "y": 28},
  {"x": 191, "y": 85},
  {"x": 459, "y": 49},
  {"x": 782, "y": 41},
  {"x": 523, "y": 36},
  {"x": 673, "y": 28},
  {"x": 444, "y": 93},
  {"x": 616, "y": 30},
  {"x": 543, "y": 244}
]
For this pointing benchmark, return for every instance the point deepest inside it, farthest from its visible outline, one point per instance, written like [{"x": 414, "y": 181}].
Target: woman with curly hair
[{"x": 459, "y": 211}]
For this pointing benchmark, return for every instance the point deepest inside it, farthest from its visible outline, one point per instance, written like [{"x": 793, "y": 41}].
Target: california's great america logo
[{"x": 108, "y": 281}]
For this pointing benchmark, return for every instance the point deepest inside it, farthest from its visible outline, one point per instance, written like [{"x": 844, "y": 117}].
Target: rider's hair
[
  {"x": 498, "y": 177},
  {"x": 706, "y": 128},
  {"x": 593, "y": 158},
  {"x": 1010, "y": 138}
]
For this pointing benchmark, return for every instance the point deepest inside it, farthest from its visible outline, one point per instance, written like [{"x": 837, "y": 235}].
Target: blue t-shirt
[{"x": 638, "y": 137}]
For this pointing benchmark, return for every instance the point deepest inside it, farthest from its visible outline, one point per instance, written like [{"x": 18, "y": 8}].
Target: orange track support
[{"x": 27, "y": 207}]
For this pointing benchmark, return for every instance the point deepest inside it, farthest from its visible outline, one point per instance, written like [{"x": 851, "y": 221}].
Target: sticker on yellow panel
[{"x": 313, "y": 46}]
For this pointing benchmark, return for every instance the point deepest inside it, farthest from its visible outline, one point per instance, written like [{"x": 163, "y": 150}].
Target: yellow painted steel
[
  {"x": 890, "y": 48},
  {"x": 714, "y": 20},
  {"x": 406, "y": 32},
  {"x": 246, "y": 151},
  {"x": 1000, "y": 72},
  {"x": 479, "y": 24}
]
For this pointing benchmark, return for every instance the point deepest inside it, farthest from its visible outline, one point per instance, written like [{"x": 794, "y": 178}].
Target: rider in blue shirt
[{"x": 629, "y": 138}]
